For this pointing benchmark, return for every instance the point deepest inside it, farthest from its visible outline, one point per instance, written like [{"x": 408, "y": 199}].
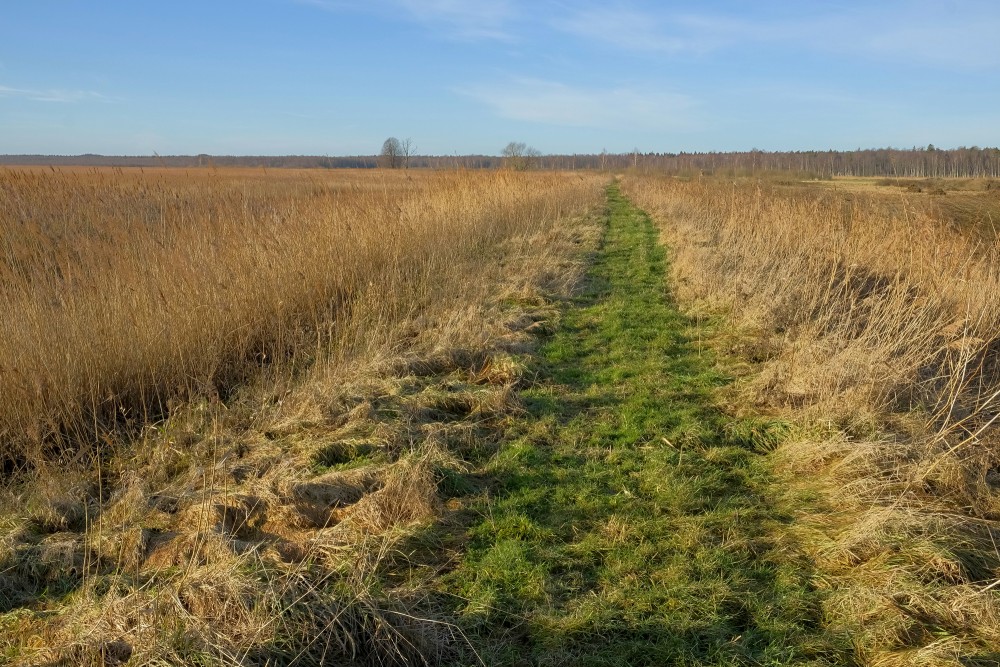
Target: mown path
[{"x": 628, "y": 520}]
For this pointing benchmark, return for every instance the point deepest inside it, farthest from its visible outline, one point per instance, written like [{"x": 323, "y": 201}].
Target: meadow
[
  {"x": 292, "y": 417},
  {"x": 128, "y": 291},
  {"x": 185, "y": 351}
]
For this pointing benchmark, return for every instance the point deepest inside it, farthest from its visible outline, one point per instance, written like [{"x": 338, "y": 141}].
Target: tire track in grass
[{"x": 628, "y": 522}]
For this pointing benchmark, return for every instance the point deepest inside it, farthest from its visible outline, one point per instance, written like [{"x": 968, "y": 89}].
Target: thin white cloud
[
  {"x": 472, "y": 18},
  {"x": 631, "y": 30},
  {"x": 459, "y": 19},
  {"x": 553, "y": 103},
  {"x": 948, "y": 34},
  {"x": 51, "y": 94},
  {"x": 959, "y": 33}
]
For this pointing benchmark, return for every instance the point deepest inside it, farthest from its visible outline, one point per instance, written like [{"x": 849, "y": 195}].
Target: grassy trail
[{"x": 628, "y": 521}]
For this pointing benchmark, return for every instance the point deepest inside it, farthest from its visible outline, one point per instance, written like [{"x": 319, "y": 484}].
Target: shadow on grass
[{"x": 623, "y": 524}]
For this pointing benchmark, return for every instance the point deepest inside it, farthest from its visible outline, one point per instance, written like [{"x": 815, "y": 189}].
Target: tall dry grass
[
  {"x": 875, "y": 320},
  {"x": 125, "y": 292},
  {"x": 231, "y": 397}
]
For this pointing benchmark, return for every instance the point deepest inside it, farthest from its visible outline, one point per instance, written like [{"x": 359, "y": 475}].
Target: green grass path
[{"x": 627, "y": 522}]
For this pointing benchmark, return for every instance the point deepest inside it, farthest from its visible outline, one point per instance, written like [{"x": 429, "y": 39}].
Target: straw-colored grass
[
  {"x": 125, "y": 293},
  {"x": 874, "y": 321},
  {"x": 228, "y": 395}
]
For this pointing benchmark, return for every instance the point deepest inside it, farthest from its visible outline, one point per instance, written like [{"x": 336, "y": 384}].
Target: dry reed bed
[
  {"x": 125, "y": 292},
  {"x": 295, "y": 364},
  {"x": 877, "y": 322}
]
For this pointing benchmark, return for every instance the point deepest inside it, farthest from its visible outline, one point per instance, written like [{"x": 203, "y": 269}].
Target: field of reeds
[
  {"x": 257, "y": 417},
  {"x": 125, "y": 292},
  {"x": 226, "y": 393},
  {"x": 871, "y": 320}
]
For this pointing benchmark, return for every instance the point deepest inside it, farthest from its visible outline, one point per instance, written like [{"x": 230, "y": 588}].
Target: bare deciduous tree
[{"x": 407, "y": 150}]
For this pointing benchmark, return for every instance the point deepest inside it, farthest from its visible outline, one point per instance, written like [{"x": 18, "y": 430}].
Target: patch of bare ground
[
  {"x": 259, "y": 524},
  {"x": 872, "y": 322}
]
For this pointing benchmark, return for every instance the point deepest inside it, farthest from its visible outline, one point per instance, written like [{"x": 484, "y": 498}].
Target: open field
[
  {"x": 128, "y": 291},
  {"x": 307, "y": 417},
  {"x": 191, "y": 359},
  {"x": 972, "y": 205}
]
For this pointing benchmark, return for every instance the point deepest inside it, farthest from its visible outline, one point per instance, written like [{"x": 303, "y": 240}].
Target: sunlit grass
[
  {"x": 870, "y": 317},
  {"x": 625, "y": 523}
]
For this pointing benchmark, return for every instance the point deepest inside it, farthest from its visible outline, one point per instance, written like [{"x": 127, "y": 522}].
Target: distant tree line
[
  {"x": 189, "y": 161},
  {"x": 929, "y": 162}
]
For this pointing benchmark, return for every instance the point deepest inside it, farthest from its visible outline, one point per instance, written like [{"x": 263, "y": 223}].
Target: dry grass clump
[
  {"x": 223, "y": 472},
  {"x": 875, "y": 319}
]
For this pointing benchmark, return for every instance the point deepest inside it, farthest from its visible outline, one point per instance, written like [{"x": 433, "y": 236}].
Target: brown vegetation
[
  {"x": 874, "y": 322},
  {"x": 230, "y": 395},
  {"x": 126, "y": 294}
]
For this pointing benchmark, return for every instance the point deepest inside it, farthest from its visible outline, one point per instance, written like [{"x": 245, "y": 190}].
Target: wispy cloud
[
  {"x": 471, "y": 18},
  {"x": 458, "y": 19},
  {"x": 553, "y": 103},
  {"x": 956, "y": 33},
  {"x": 52, "y": 95},
  {"x": 630, "y": 29}
]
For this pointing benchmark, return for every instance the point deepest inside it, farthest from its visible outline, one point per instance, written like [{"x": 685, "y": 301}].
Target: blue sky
[{"x": 337, "y": 77}]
